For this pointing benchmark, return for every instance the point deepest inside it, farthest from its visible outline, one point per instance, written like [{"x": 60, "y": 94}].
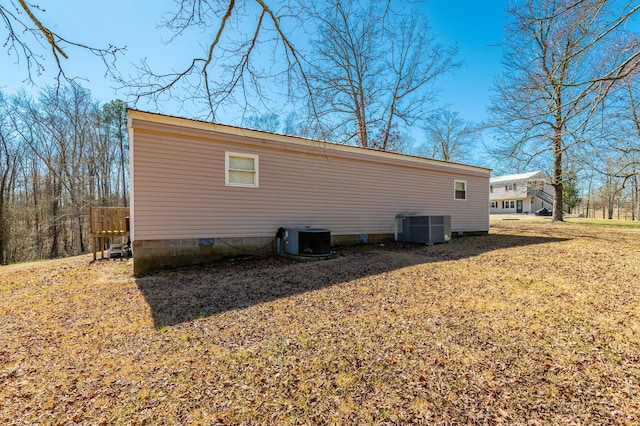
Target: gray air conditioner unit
[
  {"x": 423, "y": 229},
  {"x": 307, "y": 241}
]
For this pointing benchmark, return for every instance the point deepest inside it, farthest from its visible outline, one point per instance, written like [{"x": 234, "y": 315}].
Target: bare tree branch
[
  {"x": 373, "y": 71},
  {"x": 231, "y": 69},
  {"x": 556, "y": 76},
  {"x": 449, "y": 137},
  {"x": 25, "y": 35}
]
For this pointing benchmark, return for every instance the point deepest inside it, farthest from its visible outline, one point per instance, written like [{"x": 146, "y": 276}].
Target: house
[
  {"x": 202, "y": 191},
  {"x": 520, "y": 193}
]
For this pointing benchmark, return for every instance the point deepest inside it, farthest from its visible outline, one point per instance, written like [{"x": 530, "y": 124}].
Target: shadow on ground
[{"x": 187, "y": 294}]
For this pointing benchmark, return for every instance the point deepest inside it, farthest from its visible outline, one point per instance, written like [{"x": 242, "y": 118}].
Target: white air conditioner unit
[
  {"x": 423, "y": 229},
  {"x": 307, "y": 241}
]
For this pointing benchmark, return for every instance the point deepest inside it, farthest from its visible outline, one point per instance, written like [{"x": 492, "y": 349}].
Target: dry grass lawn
[{"x": 536, "y": 323}]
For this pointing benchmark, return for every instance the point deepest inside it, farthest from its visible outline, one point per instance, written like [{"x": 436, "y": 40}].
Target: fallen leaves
[{"x": 534, "y": 324}]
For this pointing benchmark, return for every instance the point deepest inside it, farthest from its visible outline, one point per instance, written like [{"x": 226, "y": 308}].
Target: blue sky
[{"x": 475, "y": 27}]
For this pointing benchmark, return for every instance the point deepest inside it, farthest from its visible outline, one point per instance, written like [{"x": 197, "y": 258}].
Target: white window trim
[
  {"x": 465, "y": 190},
  {"x": 226, "y": 169}
]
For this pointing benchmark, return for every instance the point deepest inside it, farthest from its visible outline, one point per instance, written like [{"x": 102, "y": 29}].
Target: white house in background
[{"x": 520, "y": 193}]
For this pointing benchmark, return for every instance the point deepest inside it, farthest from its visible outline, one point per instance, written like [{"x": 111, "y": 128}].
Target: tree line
[
  {"x": 359, "y": 72},
  {"x": 59, "y": 154}
]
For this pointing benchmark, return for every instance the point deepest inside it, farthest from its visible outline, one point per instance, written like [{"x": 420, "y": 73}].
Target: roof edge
[
  {"x": 261, "y": 134},
  {"x": 519, "y": 176}
]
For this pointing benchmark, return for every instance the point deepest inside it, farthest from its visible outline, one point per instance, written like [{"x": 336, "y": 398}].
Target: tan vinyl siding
[{"x": 179, "y": 186}]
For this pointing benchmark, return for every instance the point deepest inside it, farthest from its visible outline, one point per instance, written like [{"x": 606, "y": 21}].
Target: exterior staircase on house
[{"x": 544, "y": 196}]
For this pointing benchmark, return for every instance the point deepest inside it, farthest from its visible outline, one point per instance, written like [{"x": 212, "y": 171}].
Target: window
[
  {"x": 509, "y": 187},
  {"x": 494, "y": 204},
  {"x": 460, "y": 192},
  {"x": 241, "y": 170},
  {"x": 491, "y": 189},
  {"x": 513, "y": 204}
]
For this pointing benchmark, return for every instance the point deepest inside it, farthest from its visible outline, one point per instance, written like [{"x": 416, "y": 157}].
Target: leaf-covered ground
[{"x": 536, "y": 323}]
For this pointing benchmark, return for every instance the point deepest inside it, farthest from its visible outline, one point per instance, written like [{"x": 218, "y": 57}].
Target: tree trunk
[
  {"x": 76, "y": 221},
  {"x": 36, "y": 208},
  {"x": 557, "y": 171},
  {"x": 54, "y": 252},
  {"x": 78, "y": 246},
  {"x": 3, "y": 240},
  {"x": 362, "y": 123},
  {"x": 389, "y": 123},
  {"x": 635, "y": 208},
  {"x": 610, "y": 205}
]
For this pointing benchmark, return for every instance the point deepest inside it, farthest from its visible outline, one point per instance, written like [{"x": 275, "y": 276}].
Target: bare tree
[
  {"x": 114, "y": 129},
  {"x": 10, "y": 160},
  {"x": 613, "y": 149},
  {"x": 558, "y": 67},
  {"x": 31, "y": 42},
  {"x": 243, "y": 36},
  {"x": 612, "y": 187},
  {"x": 632, "y": 148},
  {"x": 59, "y": 154},
  {"x": 268, "y": 122},
  {"x": 248, "y": 54},
  {"x": 371, "y": 71},
  {"x": 449, "y": 137},
  {"x": 60, "y": 130}
]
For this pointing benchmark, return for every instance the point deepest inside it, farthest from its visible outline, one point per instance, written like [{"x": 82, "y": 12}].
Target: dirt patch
[{"x": 535, "y": 323}]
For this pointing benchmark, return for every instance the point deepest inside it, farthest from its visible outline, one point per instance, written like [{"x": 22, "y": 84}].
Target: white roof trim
[{"x": 538, "y": 174}]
